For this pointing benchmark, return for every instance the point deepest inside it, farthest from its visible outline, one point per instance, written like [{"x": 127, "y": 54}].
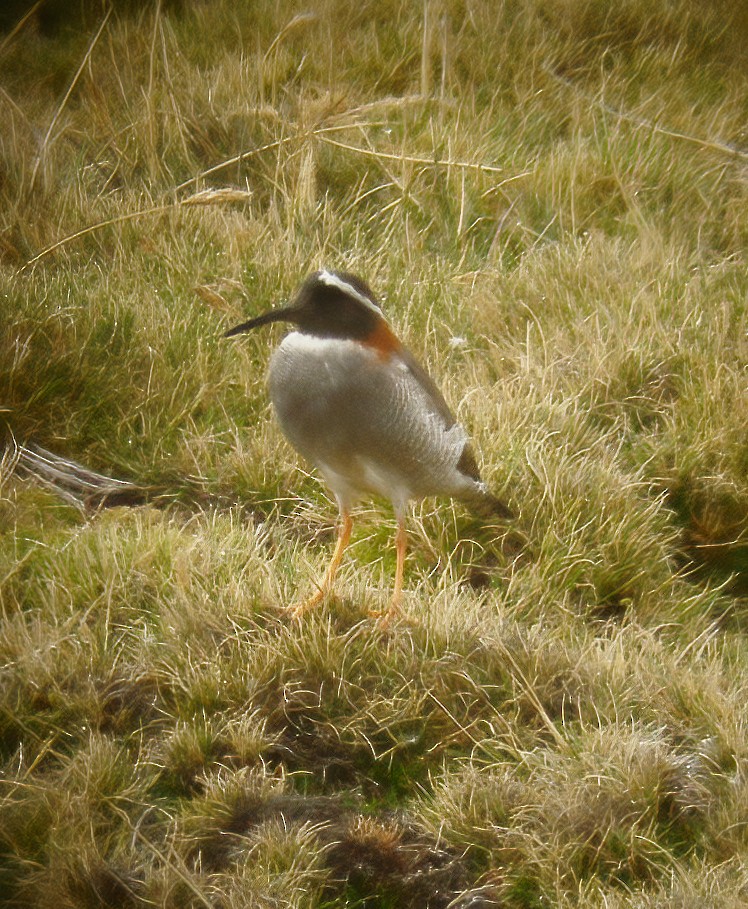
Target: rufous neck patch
[{"x": 383, "y": 340}]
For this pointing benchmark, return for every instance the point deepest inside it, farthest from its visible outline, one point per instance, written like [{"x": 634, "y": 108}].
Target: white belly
[{"x": 363, "y": 420}]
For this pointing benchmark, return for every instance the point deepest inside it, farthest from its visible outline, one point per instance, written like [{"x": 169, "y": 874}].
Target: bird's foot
[
  {"x": 297, "y": 611},
  {"x": 384, "y": 617}
]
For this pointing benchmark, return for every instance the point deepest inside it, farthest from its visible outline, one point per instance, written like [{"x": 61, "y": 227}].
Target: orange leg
[
  {"x": 401, "y": 545},
  {"x": 344, "y": 535}
]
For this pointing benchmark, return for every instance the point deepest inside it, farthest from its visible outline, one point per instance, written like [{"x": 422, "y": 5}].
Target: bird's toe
[{"x": 299, "y": 609}]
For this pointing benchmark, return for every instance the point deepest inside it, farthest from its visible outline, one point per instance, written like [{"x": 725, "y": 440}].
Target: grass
[{"x": 550, "y": 200}]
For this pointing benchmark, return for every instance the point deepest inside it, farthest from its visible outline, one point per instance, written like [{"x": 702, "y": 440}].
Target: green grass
[{"x": 550, "y": 199}]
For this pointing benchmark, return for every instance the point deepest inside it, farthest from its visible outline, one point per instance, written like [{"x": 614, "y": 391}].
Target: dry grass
[{"x": 550, "y": 199}]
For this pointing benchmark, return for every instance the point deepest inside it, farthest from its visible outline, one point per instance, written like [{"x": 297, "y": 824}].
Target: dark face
[
  {"x": 329, "y": 311},
  {"x": 329, "y": 306}
]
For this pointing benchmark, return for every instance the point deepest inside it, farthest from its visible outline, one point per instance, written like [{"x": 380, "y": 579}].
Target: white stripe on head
[{"x": 332, "y": 280}]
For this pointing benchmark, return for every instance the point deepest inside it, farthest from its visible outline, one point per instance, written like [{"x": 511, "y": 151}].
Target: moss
[{"x": 548, "y": 199}]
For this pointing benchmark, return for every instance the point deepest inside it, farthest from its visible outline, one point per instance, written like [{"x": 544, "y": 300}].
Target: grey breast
[{"x": 341, "y": 405}]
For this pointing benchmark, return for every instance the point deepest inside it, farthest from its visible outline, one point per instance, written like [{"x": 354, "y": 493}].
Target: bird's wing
[
  {"x": 435, "y": 399},
  {"x": 467, "y": 463}
]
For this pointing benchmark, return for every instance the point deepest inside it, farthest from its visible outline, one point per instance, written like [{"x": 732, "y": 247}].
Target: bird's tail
[
  {"x": 488, "y": 506},
  {"x": 497, "y": 508}
]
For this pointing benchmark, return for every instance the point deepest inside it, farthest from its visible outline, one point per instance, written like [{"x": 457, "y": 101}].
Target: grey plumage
[
  {"x": 368, "y": 424},
  {"x": 358, "y": 405}
]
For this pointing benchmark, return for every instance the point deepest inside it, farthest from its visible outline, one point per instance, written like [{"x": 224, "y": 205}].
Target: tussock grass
[{"x": 550, "y": 200}]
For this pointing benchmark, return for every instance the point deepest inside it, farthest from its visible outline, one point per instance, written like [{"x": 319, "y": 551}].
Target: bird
[{"x": 356, "y": 403}]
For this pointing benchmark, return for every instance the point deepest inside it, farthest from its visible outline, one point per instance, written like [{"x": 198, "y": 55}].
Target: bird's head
[{"x": 329, "y": 305}]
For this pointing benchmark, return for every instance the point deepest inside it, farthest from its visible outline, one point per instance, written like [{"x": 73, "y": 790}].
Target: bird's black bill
[{"x": 285, "y": 314}]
